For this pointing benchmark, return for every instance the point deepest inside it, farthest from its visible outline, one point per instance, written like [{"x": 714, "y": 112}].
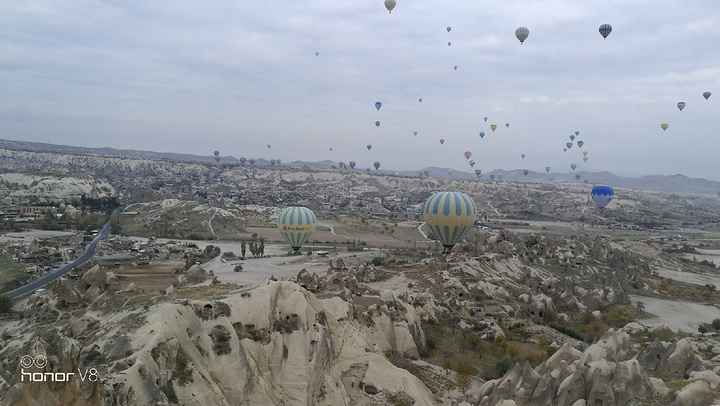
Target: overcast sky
[{"x": 235, "y": 76}]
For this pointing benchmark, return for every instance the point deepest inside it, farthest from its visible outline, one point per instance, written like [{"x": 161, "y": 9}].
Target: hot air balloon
[
  {"x": 577, "y": 176},
  {"x": 500, "y": 176},
  {"x": 273, "y": 162},
  {"x": 269, "y": 146},
  {"x": 492, "y": 176},
  {"x": 242, "y": 160},
  {"x": 450, "y": 172},
  {"x": 377, "y": 124},
  {"x": 390, "y": 5},
  {"x": 522, "y": 156},
  {"x": 580, "y": 144},
  {"x": 448, "y": 29},
  {"x": 378, "y": 105},
  {"x": 569, "y": 145},
  {"x": 414, "y": 132},
  {"x": 664, "y": 126},
  {"x": 585, "y": 158},
  {"x": 352, "y": 164},
  {"x": 450, "y": 215},
  {"x": 420, "y": 100},
  {"x": 584, "y": 153},
  {"x": 482, "y": 134},
  {"x": 442, "y": 141},
  {"x": 493, "y": 127},
  {"x": 573, "y": 166},
  {"x": 216, "y": 153},
  {"x": 602, "y": 195},
  {"x": 605, "y": 30},
  {"x": 468, "y": 154},
  {"x": 472, "y": 163},
  {"x": 376, "y": 165},
  {"x": 525, "y": 172},
  {"x": 577, "y": 133},
  {"x": 478, "y": 172},
  {"x": 707, "y": 95},
  {"x": 522, "y": 33},
  {"x": 449, "y": 43},
  {"x": 369, "y": 147},
  {"x": 341, "y": 164},
  {"x": 296, "y": 223},
  {"x": 565, "y": 149},
  {"x": 547, "y": 169},
  {"x": 572, "y": 137},
  {"x": 455, "y": 67},
  {"x": 681, "y": 105},
  {"x": 426, "y": 172},
  {"x": 507, "y": 125},
  {"x": 485, "y": 118},
  {"x": 279, "y": 161}
]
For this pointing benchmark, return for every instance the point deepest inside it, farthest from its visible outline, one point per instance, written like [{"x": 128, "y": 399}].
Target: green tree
[
  {"x": 243, "y": 246},
  {"x": 261, "y": 247},
  {"x": 6, "y": 303}
]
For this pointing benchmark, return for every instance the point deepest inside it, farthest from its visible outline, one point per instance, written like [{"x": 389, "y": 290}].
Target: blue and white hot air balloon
[
  {"x": 605, "y": 30},
  {"x": 296, "y": 223},
  {"x": 602, "y": 195},
  {"x": 681, "y": 105},
  {"x": 450, "y": 215},
  {"x": 378, "y": 105},
  {"x": 522, "y": 33}
]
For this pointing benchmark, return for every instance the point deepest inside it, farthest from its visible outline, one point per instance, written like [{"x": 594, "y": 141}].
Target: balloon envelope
[
  {"x": 547, "y": 169},
  {"x": 442, "y": 141},
  {"x": 707, "y": 95},
  {"x": 390, "y": 5},
  {"x": 572, "y": 137},
  {"x": 507, "y": 125},
  {"x": 569, "y": 145},
  {"x": 414, "y": 132},
  {"x": 664, "y": 126},
  {"x": 420, "y": 100},
  {"x": 378, "y": 105},
  {"x": 482, "y": 134},
  {"x": 485, "y": 118},
  {"x": 580, "y": 144},
  {"x": 577, "y": 133},
  {"x": 585, "y": 158},
  {"x": 468, "y": 154},
  {"x": 602, "y": 195},
  {"x": 449, "y": 28},
  {"x": 450, "y": 215},
  {"x": 377, "y": 124},
  {"x": 522, "y": 33},
  {"x": 369, "y": 147},
  {"x": 493, "y": 127},
  {"x": 605, "y": 30},
  {"x": 317, "y": 53},
  {"x": 522, "y": 156},
  {"x": 577, "y": 177},
  {"x": 296, "y": 224},
  {"x": 573, "y": 166},
  {"x": 525, "y": 172},
  {"x": 376, "y": 165},
  {"x": 449, "y": 43},
  {"x": 681, "y": 105}
]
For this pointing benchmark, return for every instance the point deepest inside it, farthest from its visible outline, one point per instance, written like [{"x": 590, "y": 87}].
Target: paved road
[{"x": 89, "y": 253}]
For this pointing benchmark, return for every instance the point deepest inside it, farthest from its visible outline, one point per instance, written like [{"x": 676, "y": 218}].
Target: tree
[
  {"x": 261, "y": 247},
  {"x": 6, "y": 303},
  {"x": 243, "y": 246}
]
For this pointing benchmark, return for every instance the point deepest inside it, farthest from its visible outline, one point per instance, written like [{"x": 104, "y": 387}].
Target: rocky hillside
[{"x": 21, "y": 188}]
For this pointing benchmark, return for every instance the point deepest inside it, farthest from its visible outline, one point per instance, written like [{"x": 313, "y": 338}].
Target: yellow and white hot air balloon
[
  {"x": 450, "y": 215},
  {"x": 296, "y": 223}
]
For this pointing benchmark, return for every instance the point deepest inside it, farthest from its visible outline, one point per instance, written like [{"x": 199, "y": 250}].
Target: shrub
[
  {"x": 503, "y": 365},
  {"x": 716, "y": 324},
  {"x": 6, "y": 303}
]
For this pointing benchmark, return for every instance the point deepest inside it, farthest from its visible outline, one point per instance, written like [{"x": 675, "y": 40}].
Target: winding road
[{"x": 86, "y": 256}]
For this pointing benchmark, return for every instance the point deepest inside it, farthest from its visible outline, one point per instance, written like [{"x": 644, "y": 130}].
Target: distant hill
[{"x": 677, "y": 183}]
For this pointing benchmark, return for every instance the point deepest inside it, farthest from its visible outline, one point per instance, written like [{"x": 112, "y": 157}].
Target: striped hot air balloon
[
  {"x": 602, "y": 195},
  {"x": 450, "y": 215},
  {"x": 296, "y": 224}
]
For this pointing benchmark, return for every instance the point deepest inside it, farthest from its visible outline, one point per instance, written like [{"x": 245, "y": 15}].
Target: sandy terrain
[{"x": 676, "y": 315}]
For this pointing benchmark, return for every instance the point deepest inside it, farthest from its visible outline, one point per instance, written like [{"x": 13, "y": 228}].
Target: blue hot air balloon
[
  {"x": 482, "y": 134},
  {"x": 378, "y": 105},
  {"x": 605, "y": 30},
  {"x": 377, "y": 124},
  {"x": 602, "y": 195},
  {"x": 296, "y": 224},
  {"x": 707, "y": 95},
  {"x": 580, "y": 144},
  {"x": 450, "y": 215},
  {"x": 681, "y": 105}
]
